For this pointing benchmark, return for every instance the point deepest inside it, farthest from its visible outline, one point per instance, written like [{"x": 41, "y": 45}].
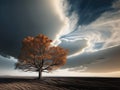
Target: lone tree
[{"x": 38, "y": 55}]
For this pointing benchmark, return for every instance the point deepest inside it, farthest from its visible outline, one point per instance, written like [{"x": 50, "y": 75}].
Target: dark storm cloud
[
  {"x": 107, "y": 60},
  {"x": 109, "y": 63},
  {"x": 21, "y": 18},
  {"x": 89, "y": 10}
]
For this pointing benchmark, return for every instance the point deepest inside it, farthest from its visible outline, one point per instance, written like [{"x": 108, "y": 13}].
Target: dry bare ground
[{"x": 59, "y": 83}]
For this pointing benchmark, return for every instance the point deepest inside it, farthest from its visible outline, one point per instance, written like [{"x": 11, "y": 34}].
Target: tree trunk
[
  {"x": 40, "y": 70},
  {"x": 40, "y": 74}
]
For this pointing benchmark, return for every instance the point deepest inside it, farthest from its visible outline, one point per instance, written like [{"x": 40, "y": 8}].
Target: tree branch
[{"x": 49, "y": 66}]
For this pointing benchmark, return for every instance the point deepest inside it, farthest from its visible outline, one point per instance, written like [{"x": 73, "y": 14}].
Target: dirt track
[{"x": 60, "y": 83}]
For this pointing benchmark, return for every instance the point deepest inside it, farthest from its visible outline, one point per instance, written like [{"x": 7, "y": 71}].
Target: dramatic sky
[{"x": 88, "y": 28}]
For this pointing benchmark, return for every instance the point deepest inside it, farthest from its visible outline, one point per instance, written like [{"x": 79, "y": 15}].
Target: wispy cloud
[{"x": 100, "y": 34}]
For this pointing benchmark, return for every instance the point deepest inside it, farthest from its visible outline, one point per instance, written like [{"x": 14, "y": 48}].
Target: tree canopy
[{"x": 37, "y": 54}]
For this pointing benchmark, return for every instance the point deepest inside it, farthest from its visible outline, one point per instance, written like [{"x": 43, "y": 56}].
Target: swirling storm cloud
[{"x": 88, "y": 28}]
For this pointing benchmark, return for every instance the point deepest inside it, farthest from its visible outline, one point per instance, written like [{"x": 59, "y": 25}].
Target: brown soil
[{"x": 59, "y": 83}]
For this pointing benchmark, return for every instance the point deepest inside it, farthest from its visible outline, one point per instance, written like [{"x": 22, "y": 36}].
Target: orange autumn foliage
[{"x": 37, "y": 54}]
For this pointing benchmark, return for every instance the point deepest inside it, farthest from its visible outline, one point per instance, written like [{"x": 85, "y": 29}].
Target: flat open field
[{"x": 59, "y": 83}]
